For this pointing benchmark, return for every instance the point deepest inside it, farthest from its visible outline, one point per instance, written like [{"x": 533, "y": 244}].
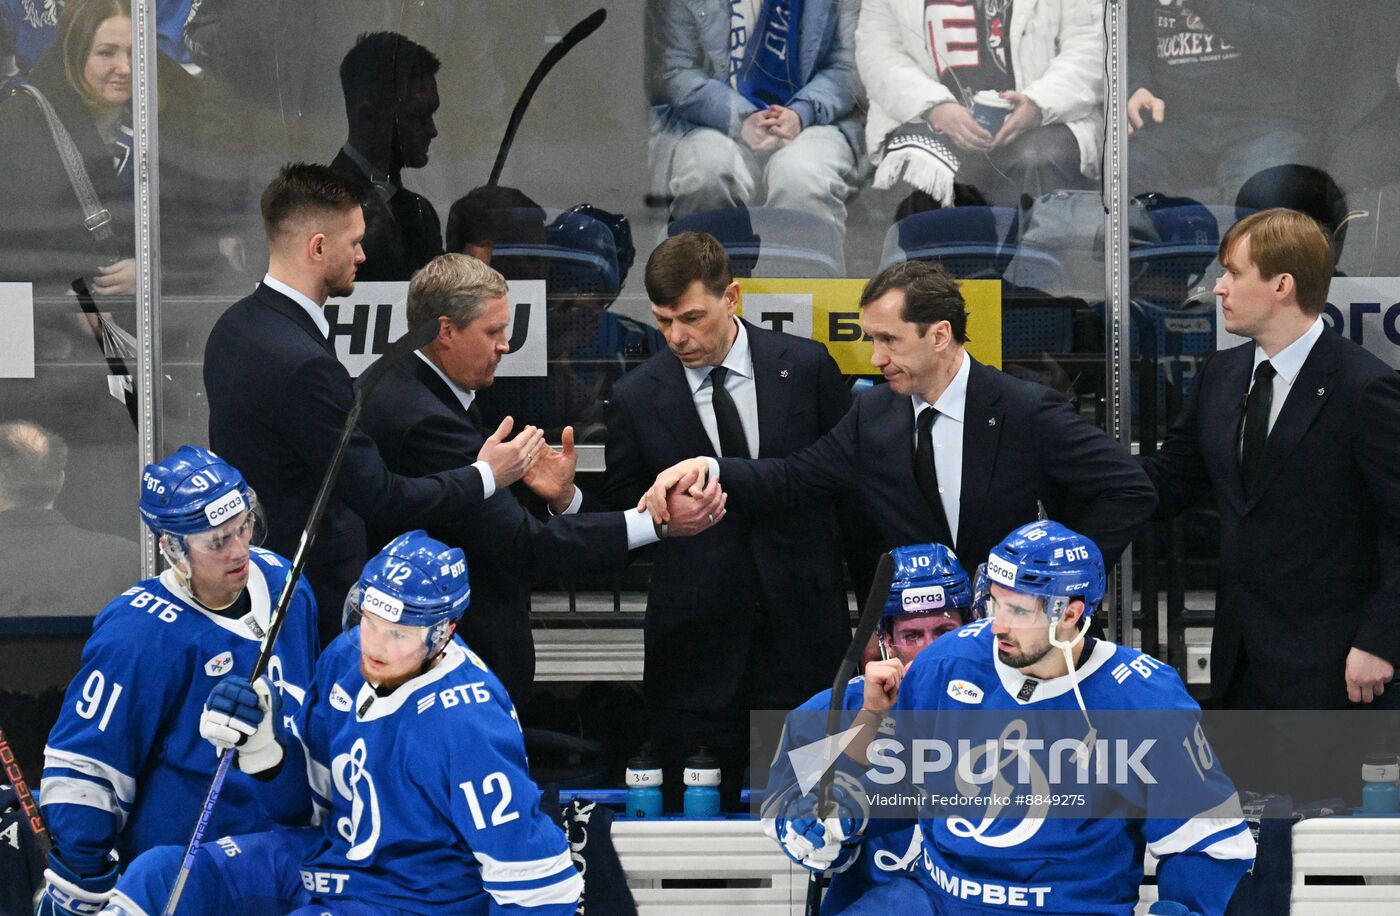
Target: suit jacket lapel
[
  {"x": 285, "y": 306},
  {"x": 772, "y": 376},
  {"x": 676, "y": 405},
  {"x": 434, "y": 383},
  {"x": 1311, "y": 389},
  {"x": 1222, "y": 423},
  {"x": 982, "y": 425}
]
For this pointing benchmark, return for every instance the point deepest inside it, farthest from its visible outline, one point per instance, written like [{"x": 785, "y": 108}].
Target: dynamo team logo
[{"x": 353, "y": 782}]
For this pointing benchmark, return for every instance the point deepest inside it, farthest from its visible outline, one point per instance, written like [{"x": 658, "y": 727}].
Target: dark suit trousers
[{"x": 677, "y": 733}]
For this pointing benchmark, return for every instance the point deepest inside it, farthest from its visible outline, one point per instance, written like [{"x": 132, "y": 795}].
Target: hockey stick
[
  {"x": 578, "y": 33},
  {"x": 26, "y": 798},
  {"x": 116, "y": 366},
  {"x": 397, "y": 350},
  {"x": 869, "y": 617}
]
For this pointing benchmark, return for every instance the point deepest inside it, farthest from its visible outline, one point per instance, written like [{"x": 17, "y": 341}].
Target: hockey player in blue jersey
[
  {"x": 1029, "y": 655},
  {"x": 415, "y": 762},
  {"x": 930, "y": 596},
  {"x": 125, "y": 768}
]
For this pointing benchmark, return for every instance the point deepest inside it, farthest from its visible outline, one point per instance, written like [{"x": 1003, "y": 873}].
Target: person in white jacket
[{"x": 922, "y": 64}]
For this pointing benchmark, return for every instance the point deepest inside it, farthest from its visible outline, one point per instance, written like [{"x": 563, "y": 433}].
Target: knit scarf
[
  {"x": 771, "y": 74},
  {"x": 918, "y": 156}
]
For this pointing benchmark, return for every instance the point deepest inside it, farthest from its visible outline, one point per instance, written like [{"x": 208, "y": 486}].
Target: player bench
[{"x": 729, "y": 868}]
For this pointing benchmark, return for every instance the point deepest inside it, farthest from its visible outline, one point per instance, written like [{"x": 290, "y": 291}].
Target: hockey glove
[
  {"x": 66, "y": 893},
  {"x": 242, "y": 715},
  {"x": 827, "y": 845}
]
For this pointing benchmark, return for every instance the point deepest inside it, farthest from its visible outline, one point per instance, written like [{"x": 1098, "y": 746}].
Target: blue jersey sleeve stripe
[
  {"x": 62, "y": 791},
  {"x": 495, "y": 870},
  {"x": 565, "y": 891},
  {"x": 530, "y": 883},
  {"x": 122, "y": 785}
]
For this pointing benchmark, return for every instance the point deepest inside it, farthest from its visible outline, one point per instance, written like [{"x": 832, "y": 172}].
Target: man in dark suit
[
  {"x": 752, "y": 614},
  {"x": 949, "y": 451},
  {"x": 421, "y": 415},
  {"x": 390, "y": 86},
  {"x": 278, "y": 397},
  {"x": 1295, "y": 434},
  {"x": 49, "y": 567}
]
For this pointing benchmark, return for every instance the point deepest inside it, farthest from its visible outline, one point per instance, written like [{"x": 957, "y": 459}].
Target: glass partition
[
  {"x": 901, "y": 130},
  {"x": 68, "y": 444},
  {"x": 1234, "y": 108}
]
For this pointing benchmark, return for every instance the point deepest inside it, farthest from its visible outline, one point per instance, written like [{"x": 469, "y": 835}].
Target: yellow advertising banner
[{"x": 827, "y": 310}]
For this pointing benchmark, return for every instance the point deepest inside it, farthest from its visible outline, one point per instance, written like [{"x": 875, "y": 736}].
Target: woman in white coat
[{"x": 922, "y": 63}]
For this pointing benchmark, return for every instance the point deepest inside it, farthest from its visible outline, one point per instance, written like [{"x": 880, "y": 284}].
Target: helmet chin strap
[{"x": 1067, "y": 648}]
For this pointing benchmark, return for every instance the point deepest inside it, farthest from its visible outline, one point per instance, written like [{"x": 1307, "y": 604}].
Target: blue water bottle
[
  {"x": 702, "y": 785},
  {"x": 643, "y": 780},
  {"x": 1379, "y": 793}
]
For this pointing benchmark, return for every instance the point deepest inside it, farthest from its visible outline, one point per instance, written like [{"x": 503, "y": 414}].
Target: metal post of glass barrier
[
  {"x": 147, "y": 189},
  {"x": 1116, "y": 315}
]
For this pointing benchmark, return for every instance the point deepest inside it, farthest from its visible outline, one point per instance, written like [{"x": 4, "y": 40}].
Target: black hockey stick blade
[
  {"x": 869, "y": 617},
  {"x": 587, "y": 26},
  {"x": 115, "y": 364},
  {"x": 397, "y": 350}
]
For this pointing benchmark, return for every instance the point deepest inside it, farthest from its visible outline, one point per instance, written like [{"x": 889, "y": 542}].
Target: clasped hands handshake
[{"x": 682, "y": 501}]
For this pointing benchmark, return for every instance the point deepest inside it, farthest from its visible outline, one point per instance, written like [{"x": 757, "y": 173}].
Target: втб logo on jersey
[{"x": 353, "y": 782}]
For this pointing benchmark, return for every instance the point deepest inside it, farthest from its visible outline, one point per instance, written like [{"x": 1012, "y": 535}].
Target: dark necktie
[
  {"x": 925, "y": 474},
  {"x": 1256, "y": 424},
  {"x": 732, "y": 442},
  {"x": 474, "y": 414}
]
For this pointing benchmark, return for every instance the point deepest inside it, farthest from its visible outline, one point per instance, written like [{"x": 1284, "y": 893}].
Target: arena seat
[{"x": 771, "y": 241}]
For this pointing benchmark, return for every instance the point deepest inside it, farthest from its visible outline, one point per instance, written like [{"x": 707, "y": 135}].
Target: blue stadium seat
[
  {"x": 772, "y": 241},
  {"x": 1163, "y": 270},
  {"x": 978, "y": 243}
]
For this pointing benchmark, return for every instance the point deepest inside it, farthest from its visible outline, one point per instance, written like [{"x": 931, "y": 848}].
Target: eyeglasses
[{"x": 220, "y": 539}]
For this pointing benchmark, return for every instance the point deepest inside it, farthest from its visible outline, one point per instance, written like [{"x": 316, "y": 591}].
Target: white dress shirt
[
  {"x": 741, "y": 388},
  {"x": 948, "y": 441},
  {"x": 317, "y": 313},
  {"x": 1287, "y": 363}
]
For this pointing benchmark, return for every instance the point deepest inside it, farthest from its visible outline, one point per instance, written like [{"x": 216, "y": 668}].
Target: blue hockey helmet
[
  {"x": 1049, "y": 561},
  {"x": 928, "y": 578},
  {"x": 192, "y": 490},
  {"x": 414, "y": 581}
]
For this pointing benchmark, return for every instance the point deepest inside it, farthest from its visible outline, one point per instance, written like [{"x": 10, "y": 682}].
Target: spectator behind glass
[
  {"x": 743, "y": 96},
  {"x": 1221, "y": 91},
  {"x": 50, "y": 567},
  {"x": 923, "y": 63},
  {"x": 390, "y": 86},
  {"x": 86, "y": 77},
  {"x": 584, "y": 255},
  {"x": 489, "y": 215},
  {"x": 32, "y": 24}
]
